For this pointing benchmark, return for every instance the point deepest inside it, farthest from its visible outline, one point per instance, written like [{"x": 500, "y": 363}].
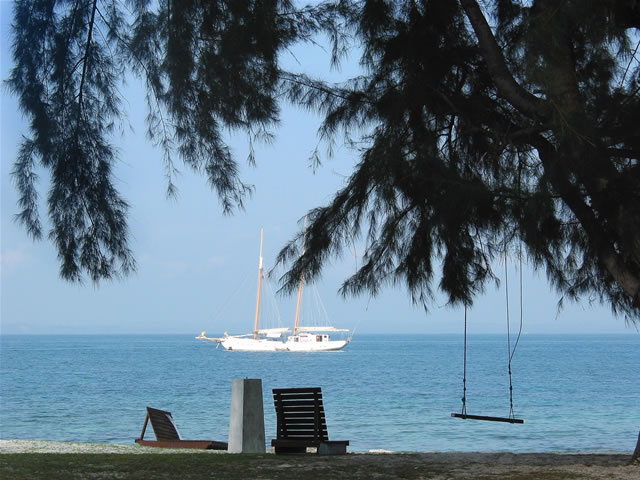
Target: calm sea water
[{"x": 576, "y": 393}]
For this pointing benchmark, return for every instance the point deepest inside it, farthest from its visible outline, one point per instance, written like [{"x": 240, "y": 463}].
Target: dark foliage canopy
[{"x": 482, "y": 127}]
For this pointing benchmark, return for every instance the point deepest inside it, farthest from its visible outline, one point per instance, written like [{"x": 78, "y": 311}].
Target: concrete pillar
[{"x": 246, "y": 423}]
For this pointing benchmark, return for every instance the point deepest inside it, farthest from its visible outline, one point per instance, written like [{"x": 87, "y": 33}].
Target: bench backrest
[
  {"x": 163, "y": 425},
  {"x": 300, "y": 414}
]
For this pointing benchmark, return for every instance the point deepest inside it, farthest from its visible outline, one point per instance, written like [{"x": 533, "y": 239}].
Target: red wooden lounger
[{"x": 167, "y": 435}]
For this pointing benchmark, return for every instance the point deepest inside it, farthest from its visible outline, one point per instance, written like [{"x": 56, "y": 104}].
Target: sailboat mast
[
  {"x": 301, "y": 283},
  {"x": 258, "y": 295}
]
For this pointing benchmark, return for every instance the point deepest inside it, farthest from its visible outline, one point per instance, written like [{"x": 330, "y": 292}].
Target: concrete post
[{"x": 246, "y": 423}]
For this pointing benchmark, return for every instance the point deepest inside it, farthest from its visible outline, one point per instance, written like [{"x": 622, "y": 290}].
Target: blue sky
[{"x": 197, "y": 268}]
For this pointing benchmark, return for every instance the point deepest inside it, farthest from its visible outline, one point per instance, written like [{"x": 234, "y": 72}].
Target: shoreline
[
  {"x": 61, "y": 447},
  {"x": 51, "y": 457}
]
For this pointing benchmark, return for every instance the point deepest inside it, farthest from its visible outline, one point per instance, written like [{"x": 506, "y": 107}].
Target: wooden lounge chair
[
  {"x": 301, "y": 423},
  {"x": 167, "y": 435}
]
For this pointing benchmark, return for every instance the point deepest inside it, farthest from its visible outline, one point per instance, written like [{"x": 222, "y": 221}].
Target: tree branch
[
  {"x": 609, "y": 259},
  {"x": 86, "y": 56},
  {"x": 508, "y": 88},
  {"x": 319, "y": 86}
]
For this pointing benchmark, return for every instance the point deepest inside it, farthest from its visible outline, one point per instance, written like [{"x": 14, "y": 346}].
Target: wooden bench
[
  {"x": 301, "y": 423},
  {"x": 167, "y": 435}
]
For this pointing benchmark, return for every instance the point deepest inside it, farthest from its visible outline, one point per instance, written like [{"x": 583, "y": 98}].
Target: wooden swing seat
[{"x": 465, "y": 416}]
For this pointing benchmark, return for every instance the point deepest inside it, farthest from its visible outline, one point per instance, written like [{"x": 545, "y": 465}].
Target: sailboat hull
[
  {"x": 252, "y": 345},
  {"x": 292, "y": 344},
  {"x": 329, "y": 346}
]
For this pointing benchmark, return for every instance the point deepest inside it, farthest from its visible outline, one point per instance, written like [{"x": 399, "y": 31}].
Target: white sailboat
[{"x": 302, "y": 339}]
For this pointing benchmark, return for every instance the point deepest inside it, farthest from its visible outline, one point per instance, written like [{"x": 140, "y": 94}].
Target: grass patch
[
  {"x": 187, "y": 466},
  {"x": 103, "y": 466},
  {"x": 551, "y": 475}
]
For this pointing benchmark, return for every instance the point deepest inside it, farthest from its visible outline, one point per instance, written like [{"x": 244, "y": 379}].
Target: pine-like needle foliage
[
  {"x": 481, "y": 125},
  {"x": 66, "y": 79},
  {"x": 481, "y": 137},
  {"x": 207, "y": 66}
]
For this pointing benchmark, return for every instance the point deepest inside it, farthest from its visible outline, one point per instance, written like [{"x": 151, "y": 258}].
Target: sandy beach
[{"x": 378, "y": 464}]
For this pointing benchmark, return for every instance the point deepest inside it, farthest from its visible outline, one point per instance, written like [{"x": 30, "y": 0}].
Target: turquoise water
[{"x": 575, "y": 393}]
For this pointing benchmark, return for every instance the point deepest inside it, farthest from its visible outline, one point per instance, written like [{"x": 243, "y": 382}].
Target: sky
[{"x": 197, "y": 268}]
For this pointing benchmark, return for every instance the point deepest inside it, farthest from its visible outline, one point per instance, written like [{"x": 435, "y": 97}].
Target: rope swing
[{"x": 511, "y": 418}]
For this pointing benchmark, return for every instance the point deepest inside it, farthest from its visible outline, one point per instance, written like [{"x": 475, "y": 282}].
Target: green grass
[
  {"x": 174, "y": 466},
  {"x": 232, "y": 467},
  {"x": 530, "y": 476}
]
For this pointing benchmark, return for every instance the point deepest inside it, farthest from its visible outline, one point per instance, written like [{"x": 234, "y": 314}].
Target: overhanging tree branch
[
  {"x": 508, "y": 88},
  {"x": 86, "y": 57},
  {"x": 445, "y": 117},
  {"x": 608, "y": 257}
]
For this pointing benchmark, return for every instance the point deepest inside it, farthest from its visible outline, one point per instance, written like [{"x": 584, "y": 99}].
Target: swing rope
[
  {"x": 464, "y": 375},
  {"x": 511, "y": 353}
]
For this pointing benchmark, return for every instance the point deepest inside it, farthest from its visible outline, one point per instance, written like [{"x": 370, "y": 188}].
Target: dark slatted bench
[
  {"x": 167, "y": 434},
  {"x": 301, "y": 423}
]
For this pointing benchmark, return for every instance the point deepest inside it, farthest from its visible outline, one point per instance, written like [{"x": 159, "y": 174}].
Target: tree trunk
[{"x": 576, "y": 150}]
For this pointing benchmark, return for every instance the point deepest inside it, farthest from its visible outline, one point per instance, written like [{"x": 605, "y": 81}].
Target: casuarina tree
[{"x": 482, "y": 126}]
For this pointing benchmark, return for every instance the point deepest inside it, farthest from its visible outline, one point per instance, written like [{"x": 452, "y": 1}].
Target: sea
[{"x": 575, "y": 393}]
